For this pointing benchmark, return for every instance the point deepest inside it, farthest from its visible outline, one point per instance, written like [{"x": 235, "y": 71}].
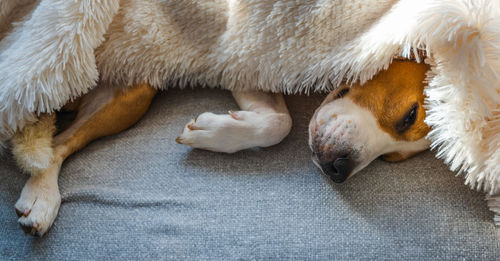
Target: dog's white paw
[
  {"x": 38, "y": 205},
  {"x": 235, "y": 131}
]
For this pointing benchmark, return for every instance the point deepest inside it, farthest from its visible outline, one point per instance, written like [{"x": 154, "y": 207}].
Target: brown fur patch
[
  {"x": 391, "y": 94},
  {"x": 398, "y": 156},
  {"x": 125, "y": 109}
]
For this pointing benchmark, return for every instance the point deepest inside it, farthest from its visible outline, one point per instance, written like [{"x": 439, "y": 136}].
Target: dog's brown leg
[
  {"x": 104, "y": 111},
  {"x": 101, "y": 114}
]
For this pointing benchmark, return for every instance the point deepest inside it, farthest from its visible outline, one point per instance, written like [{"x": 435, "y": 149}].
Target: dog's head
[{"x": 354, "y": 125}]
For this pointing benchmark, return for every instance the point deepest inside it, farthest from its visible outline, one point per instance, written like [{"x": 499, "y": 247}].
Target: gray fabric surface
[{"x": 140, "y": 195}]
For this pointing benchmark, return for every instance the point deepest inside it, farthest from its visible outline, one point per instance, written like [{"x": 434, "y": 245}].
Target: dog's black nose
[{"x": 339, "y": 169}]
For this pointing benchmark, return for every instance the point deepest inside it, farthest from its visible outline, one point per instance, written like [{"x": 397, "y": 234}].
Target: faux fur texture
[
  {"x": 463, "y": 97},
  {"x": 48, "y": 58},
  {"x": 59, "y": 49}
]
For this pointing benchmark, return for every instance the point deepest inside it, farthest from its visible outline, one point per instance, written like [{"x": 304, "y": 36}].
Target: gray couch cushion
[{"x": 140, "y": 195}]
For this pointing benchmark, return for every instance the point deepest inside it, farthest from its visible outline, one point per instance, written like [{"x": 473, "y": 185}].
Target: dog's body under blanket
[{"x": 53, "y": 50}]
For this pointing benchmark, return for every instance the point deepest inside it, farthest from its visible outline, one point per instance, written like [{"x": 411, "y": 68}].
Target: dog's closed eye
[{"x": 408, "y": 120}]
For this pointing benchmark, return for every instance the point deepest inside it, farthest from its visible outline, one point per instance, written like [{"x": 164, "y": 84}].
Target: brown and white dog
[
  {"x": 353, "y": 126},
  {"x": 385, "y": 116}
]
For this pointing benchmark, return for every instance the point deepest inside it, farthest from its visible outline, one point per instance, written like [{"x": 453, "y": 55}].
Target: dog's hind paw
[{"x": 38, "y": 206}]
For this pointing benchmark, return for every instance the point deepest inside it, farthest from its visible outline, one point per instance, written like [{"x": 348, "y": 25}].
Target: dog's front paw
[
  {"x": 38, "y": 206},
  {"x": 215, "y": 132},
  {"x": 235, "y": 131}
]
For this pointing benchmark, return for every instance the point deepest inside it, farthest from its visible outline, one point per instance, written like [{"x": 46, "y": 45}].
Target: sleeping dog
[{"x": 353, "y": 126}]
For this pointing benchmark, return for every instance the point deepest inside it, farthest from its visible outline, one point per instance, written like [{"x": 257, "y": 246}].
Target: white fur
[
  {"x": 224, "y": 133},
  {"x": 342, "y": 124},
  {"x": 264, "y": 122},
  {"x": 58, "y": 51},
  {"x": 39, "y": 201}
]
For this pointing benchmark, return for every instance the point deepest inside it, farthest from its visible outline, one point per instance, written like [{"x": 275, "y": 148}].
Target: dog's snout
[{"x": 339, "y": 169}]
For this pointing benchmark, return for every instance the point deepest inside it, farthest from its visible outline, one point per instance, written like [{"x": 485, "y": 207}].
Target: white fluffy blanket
[{"x": 54, "y": 50}]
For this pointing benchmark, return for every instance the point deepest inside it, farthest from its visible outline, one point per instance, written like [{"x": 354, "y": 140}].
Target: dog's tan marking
[
  {"x": 121, "y": 112},
  {"x": 398, "y": 156},
  {"x": 391, "y": 95},
  {"x": 384, "y": 117}
]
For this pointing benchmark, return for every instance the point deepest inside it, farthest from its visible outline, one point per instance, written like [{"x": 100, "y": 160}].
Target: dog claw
[
  {"x": 192, "y": 126},
  {"x": 234, "y": 115},
  {"x": 26, "y": 229},
  {"x": 24, "y": 213},
  {"x": 181, "y": 141},
  {"x": 36, "y": 226}
]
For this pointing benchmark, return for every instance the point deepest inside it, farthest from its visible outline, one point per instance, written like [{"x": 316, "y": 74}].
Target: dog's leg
[
  {"x": 263, "y": 121},
  {"x": 104, "y": 111},
  {"x": 32, "y": 147}
]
